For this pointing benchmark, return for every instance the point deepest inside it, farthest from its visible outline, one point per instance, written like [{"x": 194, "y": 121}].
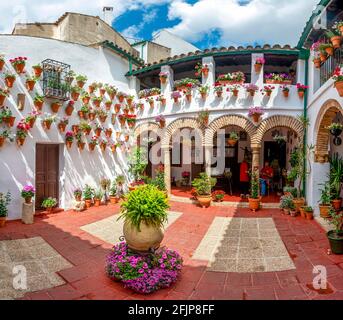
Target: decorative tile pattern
[
  {"x": 111, "y": 229},
  {"x": 243, "y": 245},
  {"x": 40, "y": 260}
]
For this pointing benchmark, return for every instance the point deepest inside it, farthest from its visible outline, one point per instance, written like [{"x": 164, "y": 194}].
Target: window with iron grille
[{"x": 55, "y": 79}]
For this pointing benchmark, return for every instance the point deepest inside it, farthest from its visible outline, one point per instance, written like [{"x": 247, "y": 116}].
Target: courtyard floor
[{"x": 229, "y": 253}]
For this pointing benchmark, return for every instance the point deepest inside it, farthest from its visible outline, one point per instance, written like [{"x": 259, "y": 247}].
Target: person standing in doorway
[{"x": 244, "y": 178}]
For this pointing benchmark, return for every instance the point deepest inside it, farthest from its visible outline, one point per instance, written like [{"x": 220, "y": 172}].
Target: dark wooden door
[{"x": 47, "y": 172}]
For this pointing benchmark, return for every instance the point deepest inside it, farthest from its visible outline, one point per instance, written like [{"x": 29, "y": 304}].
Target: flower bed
[{"x": 143, "y": 273}]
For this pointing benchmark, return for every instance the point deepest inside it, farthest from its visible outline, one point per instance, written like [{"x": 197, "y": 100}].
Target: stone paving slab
[
  {"x": 41, "y": 263},
  {"x": 111, "y": 229},
  {"x": 243, "y": 245}
]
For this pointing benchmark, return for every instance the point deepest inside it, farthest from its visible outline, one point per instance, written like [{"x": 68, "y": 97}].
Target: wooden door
[{"x": 47, "y": 172}]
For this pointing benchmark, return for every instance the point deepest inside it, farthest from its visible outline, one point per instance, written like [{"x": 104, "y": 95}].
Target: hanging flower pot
[
  {"x": 163, "y": 80},
  {"x": 2, "y": 100},
  {"x": 108, "y": 133},
  {"x": 2, "y": 63},
  {"x": 258, "y": 67},
  {"x": 108, "y": 105},
  {"x": 98, "y": 132},
  {"x": 69, "y": 108},
  {"x": 91, "y": 116},
  {"x": 323, "y": 57},
  {"x": 9, "y": 80},
  {"x": 96, "y": 103},
  {"x": 75, "y": 95},
  {"x": 117, "y": 108},
  {"x": 301, "y": 94},
  {"x": 31, "y": 122},
  {"x": 330, "y": 51},
  {"x": 55, "y": 106},
  {"x": 126, "y": 138},
  {"x": 9, "y": 121},
  {"x": 19, "y": 68},
  {"x": 126, "y": 111},
  {"x": 30, "y": 84},
  {"x": 339, "y": 87},
  {"x": 113, "y": 148},
  {"x": 205, "y": 71},
  {"x": 37, "y": 69},
  {"x": 47, "y": 124},
  {"x": 121, "y": 98},
  {"x": 152, "y": 104},
  {"x": 102, "y": 92},
  {"x": 38, "y": 105},
  {"x": 336, "y": 42},
  {"x": 75, "y": 128},
  {"x": 20, "y": 141},
  {"x": 91, "y": 146},
  {"x": 285, "y": 92},
  {"x": 122, "y": 121},
  {"x": 61, "y": 127},
  {"x": 203, "y": 95},
  {"x": 255, "y": 113},
  {"x": 80, "y": 84},
  {"x": 85, "y": 100},
  {"x": 103, "y": 146},
  {"x": 87, "y": 131},
  {"x": 176, "y": 100},
  {"x": 2, "y": 141},
  {"x": 102, "y": 118},
  {"x": 69, "y": 144},
  {"x": 81, "y": 145},
  {"x": 335, "y": 129},
  {"x": 317, "y": 62}
]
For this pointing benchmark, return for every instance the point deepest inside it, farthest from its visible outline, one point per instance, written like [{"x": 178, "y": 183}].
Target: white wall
[{"x": 17, "y": 165}]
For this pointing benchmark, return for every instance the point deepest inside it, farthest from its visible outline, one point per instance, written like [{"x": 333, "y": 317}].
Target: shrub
[
  {"x": 5, "y": 200},
  {"x": 49, "y": 203},
  {"x": 204, "y": 184},
  {"x": 113, "y": 189},
  {"x": 145, "y": 204}
]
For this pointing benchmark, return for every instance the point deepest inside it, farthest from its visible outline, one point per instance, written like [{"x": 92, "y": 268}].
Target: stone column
[
  {"x": 134, "y": 84},
  {"x": 27, "y": 213},
  {"x": 256, "y": 150},
  {"x": 167, "y": 167},
  {"x": 211, "y": 78},
  {"x": 208, "y": 158},
  {"x": 168, "y": 87},
  {"x": 257, "y": 78}
]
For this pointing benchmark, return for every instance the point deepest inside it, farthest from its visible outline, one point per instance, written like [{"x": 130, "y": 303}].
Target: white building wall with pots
[{"x": 17, "y": 164}]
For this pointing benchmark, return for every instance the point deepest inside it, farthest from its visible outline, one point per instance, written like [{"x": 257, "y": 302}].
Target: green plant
[
  {"x": 336, "y": 220},
  {"x": 308, "y": 209},
  {"x": 98, "y": 194},
  {"x": 158, "y": 181},
  {"x": 7, "y": 135},
  {"x": 105, "y": 183},
  {"x": 5, "y": 200},
  {"x": 88, "y": 192},
  {"x": 145, "y": 204},
  {"x": 137, "y": 163},
  {"x": 113, "y": 189},
  {"x": 325, "y": 196},
  {"x": 336, "y": 175},
  {"x": 332, "y": 33},
  {"x": 286, "y": 202},
  {"x": 120, "y": 180},
  {"x": 38, "y": 98},
  {"x": 254, "y": 186},
  {"x": 204, "y": 184},
  {"x": 81, "y": 78},
  {"x": 233, "y": 136},
  {"x": 335, "y": 126},
  {"x": 291, "y": 190},
  {"x": 49, "y": 203}
]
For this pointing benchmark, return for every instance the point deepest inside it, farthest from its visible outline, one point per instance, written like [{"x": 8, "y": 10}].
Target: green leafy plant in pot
[
  {"x": 336, "y": 179},
  {"x": 144, "y": 211},
  {"x": 255, "y": 198},
  {"x": 203, "y": 187},
  {"x": 325, "y": 200},
  {"x": 5, "y": 200},
  {"x": 88, "y": 193},
  {"x": 137, "y": 164},
  {"x": 336, "y": 236},
  {"x": 113, "y": 193},
  {"x": 49, "y": 204},
  {"x": 98, "y": 194}
]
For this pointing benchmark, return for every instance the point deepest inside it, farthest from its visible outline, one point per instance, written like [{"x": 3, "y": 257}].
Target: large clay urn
[{"x": 149, "y": 237}]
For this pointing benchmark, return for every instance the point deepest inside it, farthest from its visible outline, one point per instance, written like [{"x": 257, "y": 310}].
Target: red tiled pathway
[{"x": 305, "y": 240}]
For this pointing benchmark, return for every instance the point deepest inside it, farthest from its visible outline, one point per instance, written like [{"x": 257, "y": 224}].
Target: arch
[
  {"x": 322, "y": 135},
  {"x": 146, "y": 126},
  {"x": 278, "y": 121},
  {"x": 179, "y": 124},
  {"x": 227, "y": 120}
]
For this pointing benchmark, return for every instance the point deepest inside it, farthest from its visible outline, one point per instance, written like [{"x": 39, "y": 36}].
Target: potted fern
[
  {"x": 203, "y": 187},
  {"x": 5, "y": 200},
  {"x": 144, "y": 211},
  {"x": 336, "y": 236},
  {"x": 325, "y": 200}
]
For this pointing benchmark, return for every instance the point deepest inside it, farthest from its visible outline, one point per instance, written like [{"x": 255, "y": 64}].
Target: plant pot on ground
[
  {"x": 49, "y": 204},
  {"x": 144, "y": 212},
  {"x": 5, "y": 200},
  {"x": 98, "y": 194},
  {"x": 308, "y": 212},
  {"x": 254, "y": 198},
  {"x": 336, "y": 236},
  {"x": 88, "y": 194},
  {"x": 203, "y": 186},
  {"x": 113, "y": 193}
]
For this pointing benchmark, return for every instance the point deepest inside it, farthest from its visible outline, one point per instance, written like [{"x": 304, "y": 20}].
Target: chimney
[{"x": 108, "y": 15}]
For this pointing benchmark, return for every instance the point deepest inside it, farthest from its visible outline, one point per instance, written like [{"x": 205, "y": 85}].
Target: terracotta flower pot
[
  {"x": 102, "y": 92},
  {"x": 108, "y": 106},
  {"x": 219, "y": 94},
  {"x": 96, "y": 103},
  {"x": 330, "y": 51},
  {"x": 235, "y": 93},
  {"x": 324, "y": 211},
  {"x": 117, "y": 108},
  {"x": 204, "y": 201},
  {"x": 62, "y": 127},
  {"x": 256, "y": 117},
  {"x": 323, "y": 57},
  {"x": 91, "y": 89},
  {"x": 97, "y": 202},
  {"x": 112, "y": 96},
  {"x": 98, "y": 132},
  {"x": 302, "y": 212},
  {"x": 39, "y": 105},
  {"x": 85, "y": 100},
  {"x": 2, "y": 222},
  {"x": 189, "y": 98},
  {"x": 69, "y": 110},
  {"x": 152, "y": 104},
  {"x": 258, "y": 67},
  {"x": 205, "y": 72},
  {"x": 80, "y": 84},
  {"x": 309, "y": 215},
  {"x": 75, "y": 96},
  {"x": 317, "y": 63},
  {"x": 87, "y": 131},
  {"x": 301, "y": 94},
  {"x": 47, "y": 124},
  {"x": 103, "y": 118},
  {"x": 108, "y": 133},
  {"x": 337, "y": 204},
  {"x": 2, "y": 141},
  {"x": 103, "y": 147},
  {"x": 30, "y": 84},
  {"x": 113, "y": 149},
  {"x": 113, "y": 200},
  {"x": 162, "y": 123},
  {"x": 20, "y": 141},
  {"x": 254, "y": 204},
  {"x": 32, "y": 122},
  {"x": 10, "y": 121},
  {"x": 2, "y": 63},
  {"x": 126, "y": 138},
  {"x": 336, "y": 42},
  {"x": 75, "y": 128},
  {"x": 37, "y": 71},
  {"x": 176, "y": 100},
  {"x": 285, "y": 93},
  {"x": 91, "y": 146},
  {"x": 339, "y": 87},
  {"x": 203, "y": 96},
  {"x": 91, "y": 116},
  {"x": 163, "y": 80},
  {"x": 19, "y": 68},
  {"x": 55, "y": 107},
  {"x": 231, "y": 142},
  {"x": 88, "y": 203},
  {"x": 78, "y": 198},
  {"x": 28, "y": 200},
  {"x": 121, "y": 99},
  {"x": 69, "y": 144},
  {"x": 2, "y": 100},
  {"x": 9, "y": 82},
  {"x": 149, "y": 237},
  {"x": 298, "y": 202}
]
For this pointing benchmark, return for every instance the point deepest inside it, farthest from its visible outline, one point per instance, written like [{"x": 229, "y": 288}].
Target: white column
[
  {"x": 211, "y": 78},
  {"x": 257, "y": 78},
  {"x": 301, "y": 71},
  {"x": 208, "y": 159},
  {"x": 167, "y": 167},
  {"x": 168, "y": 87},
  {"x": 134, "y": 84},
  {"x": 313, "y": 78}
]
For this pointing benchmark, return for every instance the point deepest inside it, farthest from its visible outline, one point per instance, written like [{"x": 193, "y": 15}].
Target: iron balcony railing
[{"x": 329, "y": 66}]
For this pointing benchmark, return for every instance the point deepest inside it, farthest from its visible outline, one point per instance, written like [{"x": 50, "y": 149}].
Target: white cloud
[{"x": 259, "y": 21}]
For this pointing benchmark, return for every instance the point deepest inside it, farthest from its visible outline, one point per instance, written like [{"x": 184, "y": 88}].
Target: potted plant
[
  {"x": 327, "y": 48},
  {"x": 268, "y": 90},
  {"x": 103, "y": 144},
  {"x": 338, "y": 26},
  {"x": 18, "y": 64},
  {"x": 102, "y": 115},
  {"x": 69, "y": 139},
  {"x": 218, "y": 195},
  {"x": 47, "y": 121},
  {"x": 234, "y": 89},
  {"x": 81, "y": 80},
  {"x": 69, "y": 78},
  {"x": 281, "y": 140},
  {"x": 259, "y": 62},
  {"x": 108, "y": 133},
  {"x": 301, "y": 90},
  {"x": 203, "y": 90},
  {"x": 218, "y": 89},
  {"x": 80, "y": 143},
  {"x": 120, "y": 180},
  {"x": 22, "y": 132},
  {"x": 3, "y": 95},
  {"x": 185, "y": 178},
  {"x": 325, "y": 200},
  {"x": 201, "y": 69},
  {"x": 176, "y": 95},
  {"x": 49, "y": 204},
  {"x": 28, "y": 193},
  {"x": 233, "y": 138},
  {"x": 69, "y": 108},
  {"x": 285, "y": 91},
  {"x": 336, "y": 179},
  {"x": 255, "y": 113},
  {"x": 6, "y": 116},
  {"x": 286, "y": 202},
  {"x": 98, "y": 129},
  {"x": 2, "y": 62},
  {"x": 237, "y": 77},
  {"x": 308, "y": 212},
  {"x": 108, "y": 105},
  {"x": 55, "y": 106},
  {"x": 31, "y": 118},
  {"x": 5, "y": 200},
  {"x": 9, "y": 79},
  {"x": 338, "y": 80},
  {"x": 336, "y": 236},
  {"x": 96, "y": 101},
  {"x": 251, "y": 89},
  {"x": 111, "y": 91},
  {"x": 88, "y": 193},
  {"x": 254, "y": 198},
  {"x": 185, "y": 83},
  {"x": 129, "y": 99},
  {"x": 85, "y": 127},
  {"x": 335, "y": 129},
  {"x": 203, "y": 117},
  {"x": 292, "y": 210},
  {"x": 77, "y": 194},
  {"x": 5, "y": 134},
  {"x": 37, "y": 69},
  {"x": 161, "y": 120},
  {"x": 30, "y": 82},
  {"x": 161, "y": 98},
  {"x": 334, "y": 37},
  {"x": 38, "y": 101},
  {"x": 317, "y": 61},
  {"x": 113, "y": 193},
  {"x": 163, "y": 77},
  {"x": 131, "y": 120},
  {"x": 144, "y": 211},
  {"x": 203, "y": 186},
  {"x": 94, "y": 142},
  {"x": 98, "y": 194}
]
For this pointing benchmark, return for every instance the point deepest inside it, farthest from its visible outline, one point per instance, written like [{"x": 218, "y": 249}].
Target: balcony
[{"x": 328, "y": 67}]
